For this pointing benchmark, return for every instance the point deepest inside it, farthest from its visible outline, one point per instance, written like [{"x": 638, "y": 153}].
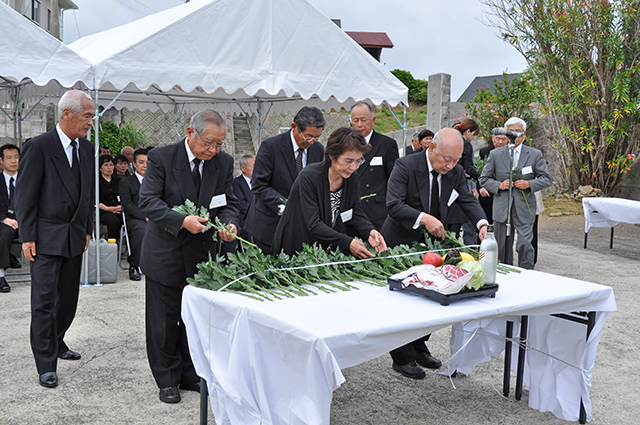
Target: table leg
[
  {"x": 507, "y": 359},
  {"x": 204, "y": 405},
  {"x": 524, "y": 323},
  {"x": 611, "y": 241},
  {"x": 591, "y": 321},
  {"x": 585, "y": 239}
]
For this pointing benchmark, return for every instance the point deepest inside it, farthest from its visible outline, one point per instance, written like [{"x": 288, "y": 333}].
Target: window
[
  {"x": 35, "y": 10},
  {"x": 49, "y": 20}
]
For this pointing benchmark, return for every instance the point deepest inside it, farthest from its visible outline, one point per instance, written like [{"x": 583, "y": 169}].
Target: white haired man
[
  {"x": 54, "y": 207},
  {"x": 530, "y": 175}
]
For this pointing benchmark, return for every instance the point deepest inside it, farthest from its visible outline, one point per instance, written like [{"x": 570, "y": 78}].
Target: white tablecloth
[
  {"x": 609, "y": 212},
  {"x": 279, "y": 362}
]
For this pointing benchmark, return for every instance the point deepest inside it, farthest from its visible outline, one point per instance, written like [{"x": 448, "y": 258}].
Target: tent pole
[
  {"x": 14, "y": 92},
  {"x": 404, "y": 127},
  {"x": 96, "y": 126},
  {"x": 402, "y": 124}
]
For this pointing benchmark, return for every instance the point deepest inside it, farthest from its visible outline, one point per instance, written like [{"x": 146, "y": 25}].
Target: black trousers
[
  {"x": 167, "y": 348},
  {"x": 55, "y": 286},
  {"x": 136, "y": 229},
  {"x": 407, "y": 353},
  {"x": 7, "y": 235},
  {"x": 113, "y": 223}
]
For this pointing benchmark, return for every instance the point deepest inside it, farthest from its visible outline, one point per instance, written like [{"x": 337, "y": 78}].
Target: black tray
[{"x": 489, "y": 290}]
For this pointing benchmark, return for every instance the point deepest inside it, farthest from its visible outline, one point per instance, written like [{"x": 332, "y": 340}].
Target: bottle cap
[{"x": 111, "y": 240}]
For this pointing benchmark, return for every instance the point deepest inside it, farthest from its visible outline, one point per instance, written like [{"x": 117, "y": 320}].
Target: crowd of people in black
[{"x": 294, "y": 191}]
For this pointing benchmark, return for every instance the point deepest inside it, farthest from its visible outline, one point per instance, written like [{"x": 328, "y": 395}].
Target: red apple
[{"x": 432, "y": 258}]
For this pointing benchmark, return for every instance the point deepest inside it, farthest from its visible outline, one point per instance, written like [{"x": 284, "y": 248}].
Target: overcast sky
[{"x": 429, "y": 36}]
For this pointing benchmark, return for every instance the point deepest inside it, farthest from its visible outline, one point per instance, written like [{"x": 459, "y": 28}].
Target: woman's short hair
[
  {"x": 342, "y": 140},
  {"x": 120, "y": 158},
  {"x": 104, "y": 159}
]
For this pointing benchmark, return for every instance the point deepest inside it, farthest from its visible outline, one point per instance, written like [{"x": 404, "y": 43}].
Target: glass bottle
[{"x": 489, "y": 256}]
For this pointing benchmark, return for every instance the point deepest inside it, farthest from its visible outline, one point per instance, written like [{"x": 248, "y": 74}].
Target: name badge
[
  {"x": 218, "y": 201},
  {"x": 527, "y": 170},
  {"x": 376, "y": 160},
  {"x": 346, "y": 215},
  {"x": 453, "y": 197}
]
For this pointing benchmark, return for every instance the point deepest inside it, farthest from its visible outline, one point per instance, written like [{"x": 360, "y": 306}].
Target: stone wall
[{"x": 33, "y": 125}]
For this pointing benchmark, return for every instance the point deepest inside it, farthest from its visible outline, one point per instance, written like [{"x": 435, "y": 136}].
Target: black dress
[
  {"x": 109, "y": 197},
  {"x": 308, "y": 218}
]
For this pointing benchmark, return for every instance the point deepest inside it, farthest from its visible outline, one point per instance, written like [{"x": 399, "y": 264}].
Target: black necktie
[
  {"x": 299, "y": 160},
  {"x": 434, "y": 209},
  {"x": 12, "y": 189},
  {"x": 75, "y": 163},
  {"x": 195, "y": 173}
]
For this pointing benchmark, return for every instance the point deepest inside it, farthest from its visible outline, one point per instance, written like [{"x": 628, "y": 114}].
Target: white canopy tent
[
  {"x": 30, "y": 57},
  {"x": 234, "y": 56}
]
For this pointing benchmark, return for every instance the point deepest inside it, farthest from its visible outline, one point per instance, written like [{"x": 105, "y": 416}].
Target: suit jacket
[
  {"x": 307, "y": 217},
  {"x": 49, "y": 209},
  {"x": 244, "y": 195},
  {"x": 485, "y": 200},
  {"x": 4, "y": 200},
  {"x": 130, "y": 198},
  {"x": 273, "y": 175},
  {"x": 408, "y": 150},
  {"x": 409, "y": 195},
  {"x": 170, "y": 253},
  {"x": 496, "y": 171},
  {"x": 373, "y": 178}
]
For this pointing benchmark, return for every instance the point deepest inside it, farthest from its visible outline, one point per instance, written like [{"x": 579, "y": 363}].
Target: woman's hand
[
  {"x": 359, "y": 249},
  {"x": 377, "y": 241}
]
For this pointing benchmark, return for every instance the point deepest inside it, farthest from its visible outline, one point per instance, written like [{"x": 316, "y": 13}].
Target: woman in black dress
[
  {"x": 110, "y": 208},
  {"x": 325, "y": 197}
]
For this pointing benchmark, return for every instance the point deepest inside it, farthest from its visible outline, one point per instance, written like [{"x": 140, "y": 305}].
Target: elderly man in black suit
[
  {"x": 378, "y": 163},
  {"x": 196, "y": 169},
  {"x": 242, "y": 188},
  {"x": 9, "y": 157},
  {"x": 136, "y": 220},
  {"x": 422, "y": 188},
  {"x": 279, "y": 160},
  {"x": 54, "y": 206}
]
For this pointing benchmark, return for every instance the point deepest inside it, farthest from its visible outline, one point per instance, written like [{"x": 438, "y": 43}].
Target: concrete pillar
[{"x": 438, "y": 100}]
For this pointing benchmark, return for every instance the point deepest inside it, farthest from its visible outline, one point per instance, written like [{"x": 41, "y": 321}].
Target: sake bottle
[{"x": 489, "y": 256}]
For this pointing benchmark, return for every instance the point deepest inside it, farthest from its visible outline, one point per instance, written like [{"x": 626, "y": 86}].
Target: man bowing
[
  {"x": 173, "y": 245},
  {"x": 421, "y": 190}
]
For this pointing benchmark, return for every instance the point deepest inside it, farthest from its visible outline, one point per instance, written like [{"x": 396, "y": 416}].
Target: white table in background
[{"x": 609, "y": 212}]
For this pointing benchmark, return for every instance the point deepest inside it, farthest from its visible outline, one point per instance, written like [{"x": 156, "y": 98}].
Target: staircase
[{"x": 242, "y": 137}]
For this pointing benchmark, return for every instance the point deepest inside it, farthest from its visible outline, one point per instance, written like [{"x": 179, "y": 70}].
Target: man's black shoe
[
  {"x": 14, "y": 263},
  {"x": 170, "y": 395},
  {"x": 410, "y": 370},
  {"x": 191, "y": 387},
  {"x": 49, "y": 379},
  {"x": 427, "y": 360},
  {"x": 70, "y": 355},
  {"x": 4, "y": 286},
  {"x": 134, "y": 274}
]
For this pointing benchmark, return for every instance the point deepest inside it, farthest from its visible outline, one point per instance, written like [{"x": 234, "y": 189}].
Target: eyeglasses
[
  {"x": 308, "y": 139},
  {"x": 351, "y": 162},
  {"x": 209, "y": 143}
]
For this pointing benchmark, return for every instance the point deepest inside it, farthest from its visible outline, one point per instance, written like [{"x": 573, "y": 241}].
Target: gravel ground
[{"x": 112, "y": 384}]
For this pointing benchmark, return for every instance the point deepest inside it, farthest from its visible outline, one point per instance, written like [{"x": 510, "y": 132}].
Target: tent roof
[
  {"x": 28, "y": 51},
  {"x": 239, "y": 50}
]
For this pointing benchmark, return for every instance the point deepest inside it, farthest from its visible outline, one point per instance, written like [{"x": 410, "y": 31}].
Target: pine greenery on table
[{"x": 266, "y": 277}]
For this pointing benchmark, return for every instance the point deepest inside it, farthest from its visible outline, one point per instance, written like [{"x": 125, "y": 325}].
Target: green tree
[
  {"x": 515, "y": 97},
  {"x": 418, "y": 89},
  {"x": 115, "y": 138},
  {"x": 587, "y": 55}
]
